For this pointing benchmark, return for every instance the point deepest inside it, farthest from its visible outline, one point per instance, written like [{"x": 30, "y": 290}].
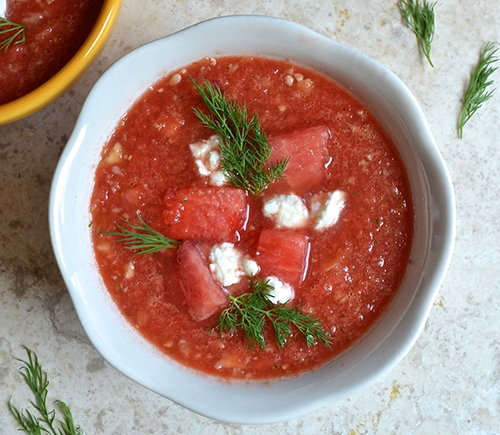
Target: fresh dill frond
[
  {"x": 478, "y": 91},
  {"x": 244, "y": 148},
  {"x": 11, "y": 34},
  {"x": 420, "y": 18},
  {"x": 147, "y": 241},
  {"x": 67, "y": 425},
  {"x": 38, "y": 382},
  {"x": 252, "y": 312}
]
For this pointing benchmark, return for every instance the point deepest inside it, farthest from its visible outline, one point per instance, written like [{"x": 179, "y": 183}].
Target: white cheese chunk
[
  {"x": 207, "y": 160},
  {"x": 228, "y": 265},
  {"x": 206, "y": 155},
  {"x": 202, "y": 169},
  {"x": 217, "y": 178},
  {"x": 325, "y": 209},
  {"x": 213, "y": 160},
  {"x": 287, "y": 211},
  {"x": 202, "y": 148},
  {"x": 225, "y": 264},
  {"x": 250, "y": 267},
  {"x": 281, "y": 292}
]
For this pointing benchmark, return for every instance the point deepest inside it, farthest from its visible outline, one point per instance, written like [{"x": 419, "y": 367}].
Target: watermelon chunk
[
  {"x": 308, "y": 153},
  {"x": 213, "y": 214},
  {"x": 204, "y": 296},
  {"x": 283, "y": 254}
]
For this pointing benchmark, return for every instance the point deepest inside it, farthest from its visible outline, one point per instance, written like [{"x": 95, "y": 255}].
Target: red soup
[
  {"x": 332, "y": 236},
  {"x": 54, "y": 31}
]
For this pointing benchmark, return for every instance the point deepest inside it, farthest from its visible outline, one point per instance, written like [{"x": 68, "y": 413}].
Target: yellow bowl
[{"x": 72, "y": 71}]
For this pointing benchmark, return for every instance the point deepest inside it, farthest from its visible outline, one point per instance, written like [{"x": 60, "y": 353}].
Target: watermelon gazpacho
[
  {"x": 324, "y": 241},
  {"x": 44, "y": 36}
]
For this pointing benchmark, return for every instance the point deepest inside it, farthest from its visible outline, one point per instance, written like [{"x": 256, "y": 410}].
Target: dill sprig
[
  {"x": 244, "y": 148},
  {"x": 38, "y": 382},
  {"x": 251, "y": 312},
  {"x": 420, "y": 18},
  {"x": 477, "y": 92},
  {"x": 148, "y": 241},
  {"x": 14, "y": 33}
]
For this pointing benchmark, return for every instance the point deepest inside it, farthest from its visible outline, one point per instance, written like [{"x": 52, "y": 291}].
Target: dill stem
[
  {"x": 420, "y": 18},
  {"x": 477, "y": 92},
  {"x": 38, "y": 383},
  {"x": 252, "y": 312},
  {"x": 16, "y": 31},
  {"x": 244, "y": 148}
]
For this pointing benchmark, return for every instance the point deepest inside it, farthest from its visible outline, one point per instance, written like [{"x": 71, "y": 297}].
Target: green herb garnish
[
  {"x": 11, "y": 34},
  {"x": 38, "y": 382},
  {"x": 251, "y": 312},
  {"x": 477, "y": 92},
  {"x": 420, "y": 18},
  {"x": 244, "y": 148},
  {"x": 147, "y": 241}
]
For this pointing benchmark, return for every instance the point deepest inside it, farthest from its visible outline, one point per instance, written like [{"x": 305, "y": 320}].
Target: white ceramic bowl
[{"x": 386, "y": 96}]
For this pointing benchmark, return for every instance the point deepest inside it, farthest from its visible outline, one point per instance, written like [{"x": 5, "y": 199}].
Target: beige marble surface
[{"x": 449, "y": 383}]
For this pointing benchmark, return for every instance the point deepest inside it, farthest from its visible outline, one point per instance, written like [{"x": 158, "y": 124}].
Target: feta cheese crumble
[
  {"x": 225, "y": 264},
  {"x": 250, "y": 267},
  {"x": 217, "y": 178},
  {"x": 287, "y": 211},
  {"x": 326, "y": 209},
  {"x": 202, "y": 169},
  {"x": 213, "y": 159},
  {"x": 281, "y": 292},
  {"x": 207, "y": 160},
  {"x": 228, "y": 265},
  {"x": 203, "y": 147}
]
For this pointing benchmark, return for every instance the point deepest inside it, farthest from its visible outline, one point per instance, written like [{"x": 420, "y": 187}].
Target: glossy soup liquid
[{"x": 354, "y": 268}]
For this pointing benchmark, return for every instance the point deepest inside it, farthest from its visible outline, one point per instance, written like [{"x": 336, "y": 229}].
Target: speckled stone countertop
[{"x": 449, "y": 383}]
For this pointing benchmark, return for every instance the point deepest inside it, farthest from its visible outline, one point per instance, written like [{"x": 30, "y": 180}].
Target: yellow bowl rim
[{"x": 70, "y": 73}]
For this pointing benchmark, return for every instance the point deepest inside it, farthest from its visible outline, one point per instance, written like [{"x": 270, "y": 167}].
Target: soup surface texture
[
  {"x": 55, "y": 30},
  {"x": 337, "y": 228}
]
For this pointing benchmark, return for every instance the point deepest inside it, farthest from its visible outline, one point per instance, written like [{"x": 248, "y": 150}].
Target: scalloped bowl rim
[{"x": 375, "y": 354}]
